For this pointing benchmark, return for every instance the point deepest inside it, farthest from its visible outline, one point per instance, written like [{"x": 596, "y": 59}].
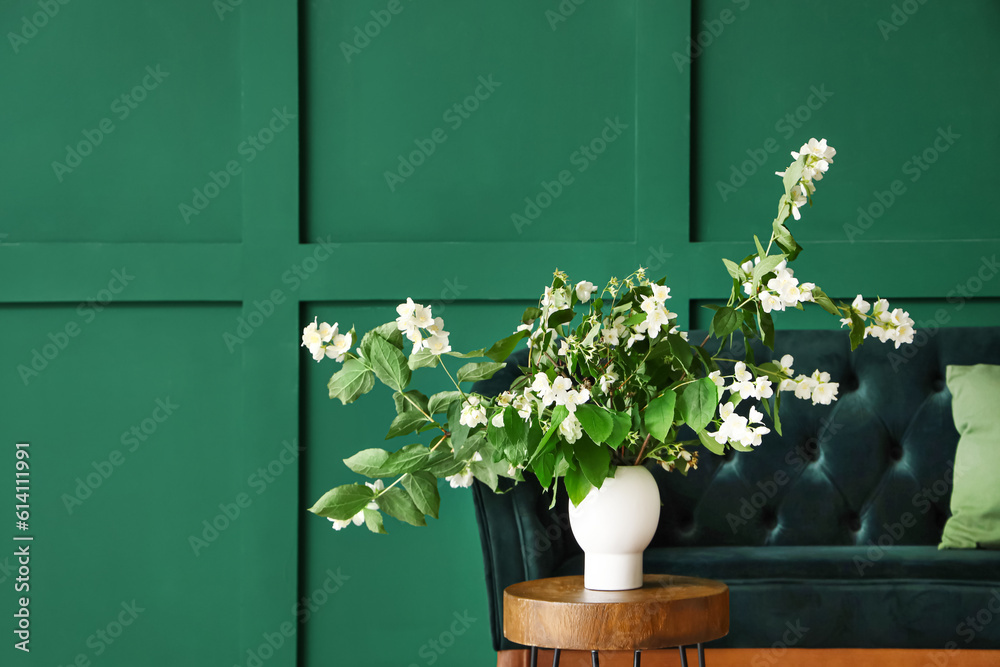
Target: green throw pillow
[{"x": 975, "y": 494}]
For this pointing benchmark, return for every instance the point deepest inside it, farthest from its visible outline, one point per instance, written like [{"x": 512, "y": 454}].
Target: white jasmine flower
[
  {"x": 825, "y": 393},
  {"x": 504, "y": 399},
  {"x": 742, "y": 381},
  {"x": 762, "y": 388},
  {"x": 523, "y": 404},
  {"x": 769, "y": 301},
  {"x": 649, "y": 304},
  {"x": 326, "y": 332},
  {"x": 584, "y": 290},
  {"x": 406, "y": 310},
  {"x": 497, "y": 420},
  {"x": 464, "y": 478},
  {"x": 575, "y": 398},
  {"x": 661, "y": 293},
  {"x": 860, "y": 305},
  {"x": 473, "y": 414},
  {"x": 654, "y": 321},
  {"x": 798, "y": 200},
  {"x": 818, "y": 149},
  {"x": 311, "y": 336},
  {"x": 437, "y": 345},
  {"x": 756, "y": 416},
  {"x": 422, "y": 317},
  {"x": 570, "y": 429},
  {"x": 786, "y": 364},
  {"x": 804, "y": 386},
  {"x": 563, "y": 348},
  {"x": 716, "y": 377},
  {"x": 607, "y": 380},
  {"x": 437, "y": 328},
  {"x": 558, "y": 391},
  {"x": 634, "y": 338}
]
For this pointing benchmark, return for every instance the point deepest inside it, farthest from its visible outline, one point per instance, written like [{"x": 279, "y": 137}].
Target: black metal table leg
[
  {"x": 684, "y": 656},
  {"x": 534, "y": 656},
  {"x": 701, "y": 655},
  {"x": 593, "y": 659},
  {"x": 555, "y": 658},
  {"x": 635, "y": 662}
]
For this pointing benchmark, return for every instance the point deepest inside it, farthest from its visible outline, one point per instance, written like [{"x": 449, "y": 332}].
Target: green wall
[{"x": 153, "y": 282}]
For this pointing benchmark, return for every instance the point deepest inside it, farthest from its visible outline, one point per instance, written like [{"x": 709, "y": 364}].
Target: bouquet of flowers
[{"x": 609, "y": 379}]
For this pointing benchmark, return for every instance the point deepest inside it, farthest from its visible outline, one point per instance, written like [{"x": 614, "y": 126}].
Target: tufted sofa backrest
[{"x": 875, "y": 465}]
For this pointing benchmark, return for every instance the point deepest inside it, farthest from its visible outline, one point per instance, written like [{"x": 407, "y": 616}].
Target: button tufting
[
  {"x": 854, "y": 523},
  {"x": 770, "y": 520},
  {"x": 938, "y": 384},
  {"x": 896, "y": 452}
]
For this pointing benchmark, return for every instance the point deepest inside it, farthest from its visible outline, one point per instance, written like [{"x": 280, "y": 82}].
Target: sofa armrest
[{"x": 522, "y": 539}]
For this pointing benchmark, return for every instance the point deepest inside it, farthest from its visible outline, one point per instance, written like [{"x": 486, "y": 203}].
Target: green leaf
[
  {"x": 621, "y": 425},
  {"x": 343, "y": 502},
  {"x": 530, "y": 315},
  {"x": 407, "y": 459},
  {"x": 777, "y": 409},
  {"x": 505, "y": 346},
  {"x": 767, "y": 329},
  {"x": 726, "y": 321},
  {"x": 422, "y": 359},
  {"x": 820, "y": 297},
  {"x": 560, "y": 317},
  {"x": 792, "y": 176},
  {"x": 404, "y": 423},
  {"x": 596, "y": 421},
  {"x": 388, "y": 332},
  {"x": 559, "y": 413},
  {"x": 733, "y": 268},
  {"x": 698, "y": 402},
  {"x": 373, "y": 519},
  {"x": 786, "y": 241},
  {"x": 760, "y": 249},
  {"x": 470, "y": 445},
  {"x": 388, "y": 362},
  {"x": 659, "y": 415},
  {"x": 594, "y": 459},
  {"x": 515, "y": 428},
  {"x": 423, "y": 489},
  {"x": 543, "y": 466},
  {"x": 351, "y": 381},
  {"x": 441, "y": 401},
  {"x": 857, "y": 329},
  {"x": 766, "y": 266},
  {"x": 473, "y": 372},
  {"x": 486, "y": 472},
  {"x": 577, "y": 486},
  {"x": 397, "y": 503},
  {"x": 467, "y": 355},
  {"x": 681, "y": 349},
  {"x": 404, "y": 405},
  {"x": 442, "y": 463},
  {"x": 710, "y": 444},
  {"x": 368, "y": 462}
]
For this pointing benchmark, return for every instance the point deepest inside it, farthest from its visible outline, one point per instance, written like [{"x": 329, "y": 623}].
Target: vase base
[{"x": 612, "y": 572}]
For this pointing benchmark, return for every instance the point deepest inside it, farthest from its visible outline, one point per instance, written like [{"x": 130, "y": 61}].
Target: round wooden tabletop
[{"x": 667, "y": 611}]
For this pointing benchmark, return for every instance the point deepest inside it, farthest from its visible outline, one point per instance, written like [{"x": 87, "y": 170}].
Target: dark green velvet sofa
[{"x": 831, "y": 528}]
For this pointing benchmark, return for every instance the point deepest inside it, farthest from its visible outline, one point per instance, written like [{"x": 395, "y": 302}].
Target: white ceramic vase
[{"x": 614, "y": 525}]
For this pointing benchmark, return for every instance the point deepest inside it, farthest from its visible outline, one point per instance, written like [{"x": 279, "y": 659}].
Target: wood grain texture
[
  {"x": 667, "y": 611},
  {"x": 767, "y": 657}
]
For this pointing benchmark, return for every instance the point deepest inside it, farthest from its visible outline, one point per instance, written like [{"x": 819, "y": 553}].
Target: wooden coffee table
[{"x": 667, "y": 612}]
